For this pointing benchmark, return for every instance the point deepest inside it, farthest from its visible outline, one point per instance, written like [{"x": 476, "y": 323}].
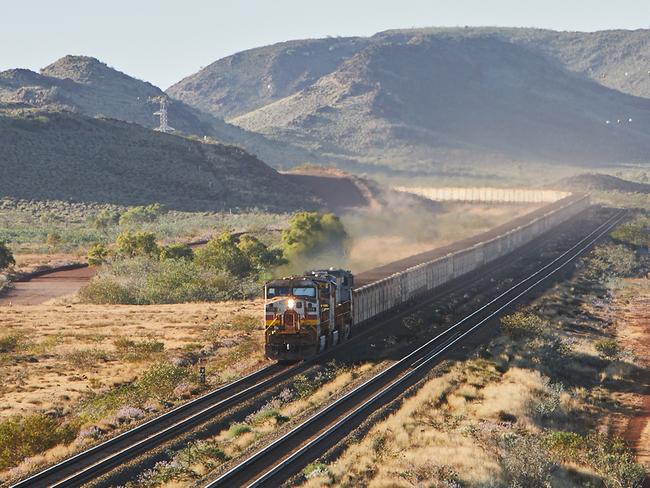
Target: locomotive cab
[{"x": 306, "y": 314}]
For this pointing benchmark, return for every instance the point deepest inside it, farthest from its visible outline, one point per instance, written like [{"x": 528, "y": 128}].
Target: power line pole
[{"x": 162, "y": 113}]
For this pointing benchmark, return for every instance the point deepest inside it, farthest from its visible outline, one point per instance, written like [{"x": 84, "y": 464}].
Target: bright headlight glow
[{"x": 291, "y": 303}]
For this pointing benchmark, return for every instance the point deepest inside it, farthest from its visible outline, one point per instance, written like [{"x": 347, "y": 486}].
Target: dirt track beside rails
[{"x": 43, "y": 288}]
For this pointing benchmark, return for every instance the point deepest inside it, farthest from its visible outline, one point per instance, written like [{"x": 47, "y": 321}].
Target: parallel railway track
[
  {"x": 286, "y": 455},
  {"x": 88, "y": 465}
]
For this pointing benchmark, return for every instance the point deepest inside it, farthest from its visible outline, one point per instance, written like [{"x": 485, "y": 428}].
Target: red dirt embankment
[
  {"x": 635, "y": 336},
  {"x": 42, "y": 288}
]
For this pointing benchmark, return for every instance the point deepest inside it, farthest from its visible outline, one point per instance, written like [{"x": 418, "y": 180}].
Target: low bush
[
  {"x": 10, "y": 342},
  {"x": 131, "y": 244},
  {"x": 635, "y": 233},
  {"x": 141, "y": 215},
  {"x": 177, "y": 251},
  {"x": 97, "y": 254},
  {"x": 236, "y": 430},
  {"x": 134, "y": 350},
  {"x": 6, "y": 256},
  {"x": 157, "y": 383},
  {"x": 141, "y": 281},
  {"x": 24, "y": 436},
  {"x": 611, "y": 458},
  {"x": 607, "y": 348},
  {"x": 520, "y": 324},
  {"x": 86, "y": 358}
]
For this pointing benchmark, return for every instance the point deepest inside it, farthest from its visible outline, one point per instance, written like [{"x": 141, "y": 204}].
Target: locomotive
[{"x": 306, "y": 314}]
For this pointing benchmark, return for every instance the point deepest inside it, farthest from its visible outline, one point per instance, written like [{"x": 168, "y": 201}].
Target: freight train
[{"x": 307, "y": 314}]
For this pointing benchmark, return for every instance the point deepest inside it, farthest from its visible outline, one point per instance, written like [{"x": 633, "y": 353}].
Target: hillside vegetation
[
  {"x": 87, "y": 86},
  {"x": 62, "y": 156},
  {"x": 418, "y": 99}
]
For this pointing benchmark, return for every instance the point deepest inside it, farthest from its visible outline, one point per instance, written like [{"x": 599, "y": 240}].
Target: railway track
[
  {"x": 286, "y": 455},
  {"x": 88, "y": 465}
]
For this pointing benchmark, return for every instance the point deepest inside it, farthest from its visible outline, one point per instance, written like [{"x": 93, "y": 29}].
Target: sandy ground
[
  {"x": 47, "y": 287},
  {"x": 634, "y": 333},
  {"x": 44, "y": 373}
]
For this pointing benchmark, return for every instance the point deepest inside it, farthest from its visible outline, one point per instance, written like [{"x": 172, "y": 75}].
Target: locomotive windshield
[
  {"x": 277, "y": 291},
  {"x": 304, "y": 292}
]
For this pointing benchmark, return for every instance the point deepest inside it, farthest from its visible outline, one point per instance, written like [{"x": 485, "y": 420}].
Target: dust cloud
[{"x": 381, "y": 235}]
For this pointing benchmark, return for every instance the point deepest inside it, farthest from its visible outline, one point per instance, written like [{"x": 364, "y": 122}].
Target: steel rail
[
  {"x": 52, "y": 475},
  {"x": 408, "y": 367},
  {"x": 110, "y": 453}
]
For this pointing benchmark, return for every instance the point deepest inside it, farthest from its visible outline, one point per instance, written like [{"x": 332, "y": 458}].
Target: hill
[
  {"x": 251, "y": 79},
  {"x": 419, "y": 98},
  {"x": 601, "y": 182},
  {"x": 66, "y": 156},
  {"x": 87, "y": 86},
  {"x": 458, "y": 100}
]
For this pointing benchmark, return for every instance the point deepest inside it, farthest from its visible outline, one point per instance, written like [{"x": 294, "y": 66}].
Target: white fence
[
  {"x": 383, "y": 295},
  {"x": 486, "y": 194}
]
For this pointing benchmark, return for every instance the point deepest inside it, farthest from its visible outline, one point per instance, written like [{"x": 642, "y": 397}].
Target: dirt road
[{"x": 43, "y": 288}]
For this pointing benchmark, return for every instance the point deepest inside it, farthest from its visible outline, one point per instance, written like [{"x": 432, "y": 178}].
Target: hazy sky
[{"x": 163, "y": 41}]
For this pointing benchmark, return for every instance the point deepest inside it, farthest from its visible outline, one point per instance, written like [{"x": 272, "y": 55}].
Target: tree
[
  {"x": 222, "y": 254},
  {"x": 259, "y": 255},
  {"x": 132, "y": 244},
  {"x": 6, "y": 256},
  {"x": 97, "y": 254},
  {"x": 310, "y": 234},
  {"x": 176, "y": 251}
]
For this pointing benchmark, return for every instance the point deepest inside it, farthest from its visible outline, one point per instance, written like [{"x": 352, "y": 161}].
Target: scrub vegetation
[
  {"x": 73, "y": 375},
  {"x": 544, "y": 404}
]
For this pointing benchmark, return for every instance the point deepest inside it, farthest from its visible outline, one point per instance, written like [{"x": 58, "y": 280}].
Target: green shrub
[
  {"x": 635, "y": 233},
  {"x": 311, "y": 233},
  {"x": 24, "y": 436},
  {"x": 104, "y": 290},
  {"x": 177, "y": 251},
  {"x": 614, "y": 461},
  {"x": 520, "y": 324},
  {"x": 104, "y": 219},
  {"x": 131, "y": 244},
  {"x": 133, "y": 350},
  {"x": 10, "y": 342},
  {"x": 144, "y": 280},
  {"x": 611, "y": 261},
  {"x": 160, "y": 380},
  {"x": 86, "y": 358},
  {"x": 223, "y": 254},
  {"x": 259, "y": 255},
  {"x": 566, "y": 446},
  {"x": 6, "y": 256},
  {"x": 97, "y": 254},
  {"x": 141, "y": 215},
  {"x": 236, "y": 430},
  {"x": 608, "y": 348}
]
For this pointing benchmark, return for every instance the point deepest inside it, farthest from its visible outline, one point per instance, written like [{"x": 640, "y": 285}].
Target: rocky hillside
[
  {"x": 87, "y": 86},
  {"x": 66, "y": 156},
  {"x": 419, "y": 98},
  {"x": 601, "y": 182},
  {"x": 250, "y": 79}
]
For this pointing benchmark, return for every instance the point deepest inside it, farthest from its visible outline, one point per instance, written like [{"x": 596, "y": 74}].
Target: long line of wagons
[{"x": 307, "y": 314}]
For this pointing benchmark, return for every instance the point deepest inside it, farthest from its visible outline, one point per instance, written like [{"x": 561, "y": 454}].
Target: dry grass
[
  {"x": 69, "y": 351},
  {"x": 458, "y": 427}
]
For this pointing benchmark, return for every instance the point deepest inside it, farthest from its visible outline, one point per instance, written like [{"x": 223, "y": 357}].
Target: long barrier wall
[
  {"x": 387, "y": 293},
  {"x": 491, "y": 195}
]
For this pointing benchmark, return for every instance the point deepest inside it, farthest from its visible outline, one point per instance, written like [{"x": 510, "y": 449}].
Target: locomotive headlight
[{"x": 291, "y": 303}]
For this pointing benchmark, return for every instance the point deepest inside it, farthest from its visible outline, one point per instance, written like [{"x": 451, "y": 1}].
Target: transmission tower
[{"x": 162, "y": 113}]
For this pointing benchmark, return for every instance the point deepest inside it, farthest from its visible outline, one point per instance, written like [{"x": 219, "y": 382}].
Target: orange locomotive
[{"x": 307, "y": 314}]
